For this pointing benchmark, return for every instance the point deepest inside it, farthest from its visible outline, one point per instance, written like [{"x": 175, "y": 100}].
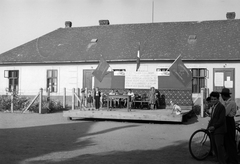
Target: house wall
[
  {"x": 210, "y": 80},
  {"x": 32, "y": 78}
]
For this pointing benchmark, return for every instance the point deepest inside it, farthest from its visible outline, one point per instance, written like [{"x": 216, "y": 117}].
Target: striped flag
[
  {"x": 101, "y": 69},
  {"x": 138, "y": 57},
  {"x": 180, "y": 71}
]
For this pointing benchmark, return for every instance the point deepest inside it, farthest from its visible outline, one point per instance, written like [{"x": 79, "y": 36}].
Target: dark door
[
  {"x": 224, "y": 77},
  {"x": 87, "y": 79}
]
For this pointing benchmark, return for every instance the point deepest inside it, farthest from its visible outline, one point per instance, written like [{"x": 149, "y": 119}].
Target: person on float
[{"x": 152, "y": 98}]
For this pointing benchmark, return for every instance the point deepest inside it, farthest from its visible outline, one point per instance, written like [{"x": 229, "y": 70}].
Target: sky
[{"x": 26, "y": 20}]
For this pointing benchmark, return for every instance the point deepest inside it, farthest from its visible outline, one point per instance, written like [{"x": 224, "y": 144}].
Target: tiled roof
[{"x": 207, "y": 40}]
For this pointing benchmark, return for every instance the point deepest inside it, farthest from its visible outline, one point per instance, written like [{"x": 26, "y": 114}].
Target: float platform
[{"x": 159, "y": 115}]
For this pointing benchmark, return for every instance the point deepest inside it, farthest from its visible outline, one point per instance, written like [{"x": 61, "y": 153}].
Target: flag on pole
[
  {"x": 101, "y": 69},
  {"x": 138, "y": 57},
  {"x": 180, "y": 71}
]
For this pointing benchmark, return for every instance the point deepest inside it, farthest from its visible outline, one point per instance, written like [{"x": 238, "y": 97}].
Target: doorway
[
  {"x": 224, "y": 77},
  {"x": 88, "y": 79}
]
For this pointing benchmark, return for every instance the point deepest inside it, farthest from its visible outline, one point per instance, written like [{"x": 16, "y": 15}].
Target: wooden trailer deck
[{"x": 164, "y": 115}]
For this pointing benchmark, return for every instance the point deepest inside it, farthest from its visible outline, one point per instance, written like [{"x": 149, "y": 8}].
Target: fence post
[
  {"x": 78, "y": 94},
  {"x": 203, "y": 97},
  {"x": 12, "y": 101},
  {"x": 64, "y": 98},
  {"x": 85, "y": 97},
  {"x": 40, "y": 100},
  {"x": 73, "y": 98},
  {"x": 48, "y": 94}
]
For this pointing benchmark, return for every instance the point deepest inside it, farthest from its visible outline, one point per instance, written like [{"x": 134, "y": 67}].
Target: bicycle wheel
[
  {"x": 238, "y": 138},
  {"x": 200, "y": 144}
]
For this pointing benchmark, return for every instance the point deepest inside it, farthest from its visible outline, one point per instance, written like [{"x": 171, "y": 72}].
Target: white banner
[{"x": 141, "y": 80}]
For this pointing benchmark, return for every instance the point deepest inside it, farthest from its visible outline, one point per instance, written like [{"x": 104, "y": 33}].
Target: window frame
[
  {"x": 52, "y": 80},
  {"x": 200, "y": 79},
  {"x": 162, "y": 71},
  {"x": 13, "y": 80}
]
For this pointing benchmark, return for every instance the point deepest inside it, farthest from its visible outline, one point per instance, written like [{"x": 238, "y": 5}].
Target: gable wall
[{"x": 32, "y": 78}]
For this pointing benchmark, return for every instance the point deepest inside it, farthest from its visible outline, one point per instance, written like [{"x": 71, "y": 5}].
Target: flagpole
[
  {"x": 138, "y": 56},
  {"x": 174, "y": 61},
  {"x": 152, "y": 11}
]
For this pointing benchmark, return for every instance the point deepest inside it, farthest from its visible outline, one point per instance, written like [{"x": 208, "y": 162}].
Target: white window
[
  {"x": 199, "y": 81},
  {"x": 13, "y": 76},
  {"x": 162, "y": 72},
  {"x": 52, "y": 80}
]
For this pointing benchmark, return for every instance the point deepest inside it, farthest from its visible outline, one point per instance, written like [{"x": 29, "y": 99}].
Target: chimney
[
  {"x": 68, "y": 24},
  {"x": 104, "y": 22},
  {"x": 230, "y": 15}
]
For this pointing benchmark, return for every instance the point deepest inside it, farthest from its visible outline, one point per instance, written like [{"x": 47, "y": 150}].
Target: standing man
[
  {"x": 217, "y": 127},
  {"x": 152, "y": 98},
  {"x": 82, "y": 98},
  {"x": 93, "y": 96},
  {"x": 131, "y": 98},
  {"x": 97, "y": 96},
  {"x": 231, "y": 110}
]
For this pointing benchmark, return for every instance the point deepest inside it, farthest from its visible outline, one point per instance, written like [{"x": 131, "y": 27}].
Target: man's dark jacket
[{"x": 218, "y": 119}]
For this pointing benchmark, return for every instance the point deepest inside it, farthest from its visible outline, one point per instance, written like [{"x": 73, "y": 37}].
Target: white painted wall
[
  {"x": 32, "y": 78},
  {"x": 211, "y": 66}
]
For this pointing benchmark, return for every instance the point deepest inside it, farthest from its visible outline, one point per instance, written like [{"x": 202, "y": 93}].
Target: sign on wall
[
  {"x": 141, "y": 80},
  {"x": 228, "y": 83},
  {"x": 219, "y": 78},
  {"x": 224, "y": 77}
]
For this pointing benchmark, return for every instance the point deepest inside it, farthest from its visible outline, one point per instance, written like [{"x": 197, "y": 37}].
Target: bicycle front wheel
[
  {"x": 238, "y": 138},
  {"x": 200, "y": 144}
]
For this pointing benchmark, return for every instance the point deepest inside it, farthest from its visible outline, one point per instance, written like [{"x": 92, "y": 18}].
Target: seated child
[{"x": 175, "y": 108}]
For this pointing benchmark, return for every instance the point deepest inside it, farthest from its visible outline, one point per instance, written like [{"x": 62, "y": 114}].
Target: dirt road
[{"x": 51, "y": 138}]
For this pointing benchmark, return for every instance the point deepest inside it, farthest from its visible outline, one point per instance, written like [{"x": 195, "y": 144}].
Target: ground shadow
[
  {"x": 174, "y": 154},
  {"x": 19, "y": 144},
  {"x": 129, "y": 121},
  {"x": 191, "y": 120}
]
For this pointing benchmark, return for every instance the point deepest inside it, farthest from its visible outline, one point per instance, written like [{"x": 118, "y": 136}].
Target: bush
[
  {"x": 20, "y": 103},
  {"x": 197, "y": 109},
  {"x": 5, "y": 103},
  {"x": 50, "y": 106}
]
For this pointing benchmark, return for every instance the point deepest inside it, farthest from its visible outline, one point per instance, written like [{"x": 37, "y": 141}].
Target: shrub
[
  {"x": 197, "y": 109},
  {"x": 5, "y": 103},
  {"x": 50, "y": 106},
  {"x": 18, "y": 102}
]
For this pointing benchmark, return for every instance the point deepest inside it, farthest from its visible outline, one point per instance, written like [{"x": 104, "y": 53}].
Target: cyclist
[{"x": 217, "y": 127}]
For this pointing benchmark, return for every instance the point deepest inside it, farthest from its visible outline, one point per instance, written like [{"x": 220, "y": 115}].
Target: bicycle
[
  {"x": 237, "y": 137},
  {"x": 200, "y": 146}
]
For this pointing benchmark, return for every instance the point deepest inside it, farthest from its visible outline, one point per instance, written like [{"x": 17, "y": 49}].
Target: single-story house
[{"x": 66, "y": 57}]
